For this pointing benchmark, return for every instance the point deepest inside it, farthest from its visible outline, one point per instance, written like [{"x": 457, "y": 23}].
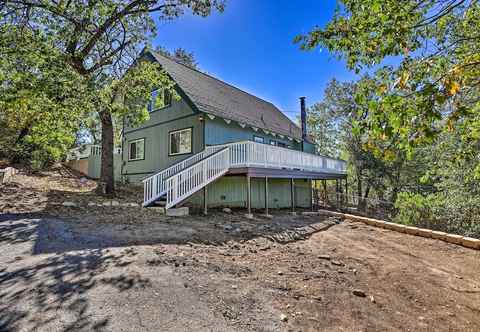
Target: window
[
  {"x": 272, "y": 142},
  {"x": 159, "y": 99},
  {"x": 136, "y": 150},
  {"x": 180, "y": 141},
  {"x": 258, "y": 139},
  {"x": 282, "y": 145}
]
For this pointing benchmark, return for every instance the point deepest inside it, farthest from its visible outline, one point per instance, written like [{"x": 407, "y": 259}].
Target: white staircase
[
  {"x": 181, "y": 180},
  {"x": 176, "y": 183}
]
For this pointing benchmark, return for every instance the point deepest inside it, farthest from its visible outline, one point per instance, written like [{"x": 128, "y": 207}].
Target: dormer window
[{"x": 160, "y": 98}]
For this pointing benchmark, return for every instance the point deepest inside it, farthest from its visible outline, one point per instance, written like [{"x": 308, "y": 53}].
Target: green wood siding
[
  {"x": 217, "y": 131},
  {"x": 309, "y": 147},
  {"x": 231, "y": 191},
  {"x": 155, "y": 131}
]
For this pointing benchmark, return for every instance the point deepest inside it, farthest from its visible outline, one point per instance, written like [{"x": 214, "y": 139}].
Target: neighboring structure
[
  {"x": 241, "y": 150},
  {"x": 86, "y": 159}
]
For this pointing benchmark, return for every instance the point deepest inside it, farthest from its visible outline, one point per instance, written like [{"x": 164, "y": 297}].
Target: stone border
[{"x": 464, "y": 241}]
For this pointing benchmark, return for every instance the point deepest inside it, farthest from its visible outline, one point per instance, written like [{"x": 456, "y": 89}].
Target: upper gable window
[{"x": 160, "y": 98}]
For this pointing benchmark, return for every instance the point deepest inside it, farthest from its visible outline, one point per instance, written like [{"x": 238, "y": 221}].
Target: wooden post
[
  {"x": 311, "y": 194},
  {"x": 292, "y": 194},
  {"x": 266, "y": 195},
  {"x": 325, "y": 195},
  {"x": 205, "y": 200},
  {"x": 346, "y": 191},
  {"x": 249, "y": 196},
  {"x": 336, "y": 192}
]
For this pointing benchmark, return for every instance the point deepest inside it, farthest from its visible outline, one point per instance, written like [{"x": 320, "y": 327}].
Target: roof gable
[{"x": 213, "y": 96}]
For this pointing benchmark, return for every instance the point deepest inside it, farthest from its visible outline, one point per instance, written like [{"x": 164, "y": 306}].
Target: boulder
[{"x": 6, "y": 174}]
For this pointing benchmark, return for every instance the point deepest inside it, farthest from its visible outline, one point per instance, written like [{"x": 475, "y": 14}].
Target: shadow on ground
[
  {"x": 57, "y": 261},
  {"x": 59, "y": 235},
  {"x": 57, "y": 285}
]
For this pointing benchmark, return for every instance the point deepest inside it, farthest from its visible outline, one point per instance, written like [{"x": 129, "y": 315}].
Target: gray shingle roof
[{"x": 221, "y": 99}]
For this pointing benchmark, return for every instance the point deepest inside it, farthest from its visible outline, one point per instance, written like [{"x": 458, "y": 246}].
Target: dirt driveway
[
  {"x": 127, "y": 269},
  {"x": 69, "y": 276}
]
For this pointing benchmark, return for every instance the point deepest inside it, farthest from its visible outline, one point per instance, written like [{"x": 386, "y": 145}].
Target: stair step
[{"x": 160, "y": 203}]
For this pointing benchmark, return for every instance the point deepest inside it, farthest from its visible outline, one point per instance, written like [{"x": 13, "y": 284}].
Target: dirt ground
[{"x": 129, "y": 269}]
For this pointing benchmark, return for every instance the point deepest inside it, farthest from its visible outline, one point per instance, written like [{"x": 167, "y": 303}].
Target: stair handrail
[
  {"x": 193, "y": 178},
  {"x": 154, "y": 185}
]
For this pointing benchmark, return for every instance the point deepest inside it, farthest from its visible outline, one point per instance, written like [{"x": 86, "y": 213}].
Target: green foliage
[
  {"x": 101, "y": 41},
  {"x": 181, "y": 55},
  {"x": 322, "y": 128},
  {"x": 129, "y": 95},
  {"x": 435, "y": 84},
  {"x": 419, "y": 119},
  {"x": 41, "y": 99},
  {"x": 414, "y": 209},
  {"x": 458, "y": 214}
]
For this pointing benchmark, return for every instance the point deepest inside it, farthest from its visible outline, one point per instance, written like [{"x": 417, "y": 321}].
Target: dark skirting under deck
[{"x": 283, "y": 173}]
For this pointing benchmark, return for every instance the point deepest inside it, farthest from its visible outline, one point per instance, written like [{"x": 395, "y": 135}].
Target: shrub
[
  {"x": 413, "y": 209},
  {"x": 456, "y": 213}
]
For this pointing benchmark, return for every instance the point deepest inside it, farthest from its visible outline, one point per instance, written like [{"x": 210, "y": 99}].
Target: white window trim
[
  {"x": 170, "y": 141},
  {"x": 130, "y": 149}
]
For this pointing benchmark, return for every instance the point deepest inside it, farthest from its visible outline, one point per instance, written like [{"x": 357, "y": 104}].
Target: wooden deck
[{"x": 284, "y": 173}]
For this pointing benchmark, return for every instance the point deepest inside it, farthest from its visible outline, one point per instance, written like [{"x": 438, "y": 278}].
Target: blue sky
[{"x": 250, "y": 46}]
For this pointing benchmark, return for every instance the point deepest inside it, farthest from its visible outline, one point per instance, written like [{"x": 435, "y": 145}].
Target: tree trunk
[
  {"x": 16, "y": 157},
  {"x": 107, "y": 181}
]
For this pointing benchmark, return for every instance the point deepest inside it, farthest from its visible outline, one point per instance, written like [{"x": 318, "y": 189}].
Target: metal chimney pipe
[{"x": 303, "y": 117}]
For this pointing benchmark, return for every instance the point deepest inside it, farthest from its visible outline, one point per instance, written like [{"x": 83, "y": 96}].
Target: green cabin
[{"x": 220, "y": 146}]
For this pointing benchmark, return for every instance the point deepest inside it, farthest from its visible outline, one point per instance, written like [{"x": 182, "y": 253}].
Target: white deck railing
[
  {"x": 184, "y": 178},
  {"x": 183, "y": 184},
  {"x": 154, "y": 186},
  {"x": 251, "y": 154}
]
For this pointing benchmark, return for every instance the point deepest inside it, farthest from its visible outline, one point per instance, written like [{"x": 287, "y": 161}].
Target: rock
[
  {"x": 280, "y": 273},
  {"x": 249, "y": 216},
  {"x": 372, "y": 299},
  {"x": 267, "y": 216},
  {"x": 133, "y": 204},
  {"x": 234, "y": 286},
  {"x": 227, "y": 227},
  {"x": 337, "y": 263},
  {"x": 92, "y": 204},
  {"x": 6, "y": 174},
  {"x": 107, "y": 203},
  {"x": 283, "y": 317},
  {"x": 69, "y": 204},
  {"x": 178, "y": 212},
  {"x": 115, "y": 203},
  {"x": 359, "y": 293},
  {"x": 227, "y": 210},
  {"x": 326, "y": 257},
  {"x": 310, "y": 213}
]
